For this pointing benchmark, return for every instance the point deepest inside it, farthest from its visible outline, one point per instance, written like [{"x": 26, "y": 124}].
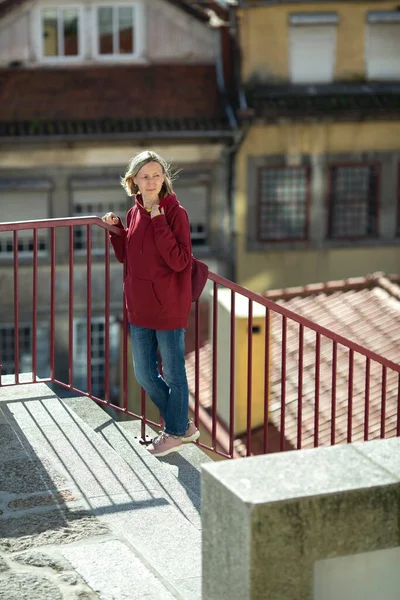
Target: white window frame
[
  {"x": 39, "y": 33},
  {"x": 139, "y": 28}
]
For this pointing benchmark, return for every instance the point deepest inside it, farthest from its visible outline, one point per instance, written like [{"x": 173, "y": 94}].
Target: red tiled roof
[
  {"x": 114, "y": 92},
  {"x": 366, "y": 311}
]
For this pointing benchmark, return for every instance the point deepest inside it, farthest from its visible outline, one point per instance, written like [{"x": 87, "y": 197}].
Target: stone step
[{"x": 110, "y": 504}]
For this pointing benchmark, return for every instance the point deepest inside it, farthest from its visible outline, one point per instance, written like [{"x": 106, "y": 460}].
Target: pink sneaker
[
  {"x": 192, "y": 433},
  {"x": 164, "y": 444}
]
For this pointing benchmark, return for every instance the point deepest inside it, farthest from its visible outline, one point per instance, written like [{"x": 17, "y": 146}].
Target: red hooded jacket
[{"x": 158, "y": 253}]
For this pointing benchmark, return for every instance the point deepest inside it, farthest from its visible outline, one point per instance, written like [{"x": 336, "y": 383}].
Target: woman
[{"x": 157, "y": 250}]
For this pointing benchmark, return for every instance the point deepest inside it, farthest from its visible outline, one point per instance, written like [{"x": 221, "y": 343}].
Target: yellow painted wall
[
  {"x": 275, "y": 269},
  {"x": 258, "y": 360},
  {"x": 264, "y": 37}
]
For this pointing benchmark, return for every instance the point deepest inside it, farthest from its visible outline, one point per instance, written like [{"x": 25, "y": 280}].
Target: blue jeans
[{"x": 170, "y": 393}]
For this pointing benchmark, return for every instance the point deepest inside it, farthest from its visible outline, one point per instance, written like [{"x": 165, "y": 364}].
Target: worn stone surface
[
  {"x": 39, "y": 559},
  {"x": 70, "y": 578},
  {"x": 53, "y": 527},
  {"x": 132, "y": 579},
  {"x": 84, "y": 595},
  {"x": 45, "y": 411},
  {"x": 10, "y": 446},
  {"x": 155, "y": 473},
  {"x": 29, "y": 475},
  {"x": 149, "y": 523},
  {"x": 3, "y": 565},
  {"x": 97, "y": 469},
  {"x": 43, "y": 500},
  {"x": 26, "y": 586},
  {"x": 190, "y": 588}
]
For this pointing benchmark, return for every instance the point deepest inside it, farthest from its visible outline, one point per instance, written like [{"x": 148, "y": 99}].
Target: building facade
[
  {"x": 318, "y": 172},
  {"x": 83, "y": 87}
]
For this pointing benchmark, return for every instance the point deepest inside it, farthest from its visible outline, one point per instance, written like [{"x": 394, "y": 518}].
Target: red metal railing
[{"x": 262, "y": 378}]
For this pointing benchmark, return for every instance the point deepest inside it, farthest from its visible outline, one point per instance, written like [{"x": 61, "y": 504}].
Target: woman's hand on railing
[{"x": 110, "y": 219}]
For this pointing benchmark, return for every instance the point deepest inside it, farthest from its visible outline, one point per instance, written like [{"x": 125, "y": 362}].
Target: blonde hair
[{"x": 137, "y": 163}]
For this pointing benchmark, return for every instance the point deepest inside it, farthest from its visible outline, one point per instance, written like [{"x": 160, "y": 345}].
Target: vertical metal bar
[
  {"x": 383, "y": 401},
  {"x": 300, "y": 388},
  {"x": 89, "y": 309},
  {"x": 107, "y": 316},
  {"x": 249, "y": 377},
  {"x": 34, "y": 304},
  {"x": 125, "y": 355},
  {"x": 71, "y": 309},
  {"x": 316, "y": 393},
  {"x": 398, "y": 407},
  {"x": 16, "y": 313},
  {"x": 266, "y": 376},
  {"x": 333, "y": 397},
  {"x": 366, "y": 409},
  {"x": 283, "y": 383},
  {"x": 52, "y": 300},
  {"x": 232, "y": 374},
  {"x": 196, "y": 362},
  {"x": 143, "y": 414},
  {"x": 350, "y": 396},
  {"x": 214, "y": 366}
]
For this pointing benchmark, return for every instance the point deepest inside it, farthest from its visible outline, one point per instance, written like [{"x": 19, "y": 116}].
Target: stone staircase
[{"x": 85, "y": 511}]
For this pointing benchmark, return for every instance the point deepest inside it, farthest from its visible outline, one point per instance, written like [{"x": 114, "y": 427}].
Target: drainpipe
[{"x": 240, "y": 133}]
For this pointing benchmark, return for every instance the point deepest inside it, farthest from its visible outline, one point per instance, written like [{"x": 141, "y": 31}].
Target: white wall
[{"x": 366, "y": 576}]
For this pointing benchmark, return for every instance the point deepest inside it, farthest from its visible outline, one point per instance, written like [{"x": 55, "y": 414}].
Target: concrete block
[{"x": 268, "y": 519}]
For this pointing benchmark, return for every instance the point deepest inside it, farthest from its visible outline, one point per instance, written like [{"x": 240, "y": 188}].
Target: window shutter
[
  {"x": 383, "y": 51},
  {"x": 312, "y": 53}
]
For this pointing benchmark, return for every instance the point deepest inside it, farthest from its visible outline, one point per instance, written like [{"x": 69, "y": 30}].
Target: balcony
[{"x": 81, "y": 496}]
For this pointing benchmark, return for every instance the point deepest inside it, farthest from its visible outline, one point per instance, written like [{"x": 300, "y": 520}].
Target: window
[
  {"x": 283, "y": 200},
  {"x": 96, "y": 202},
  {"x": 194, "y": 199},
  {"x": 312, "y": 47},
  {"x": 17, "y": 205},
  {"x": 60, "y": 32},
  {"x": 117, "y": 30},
  {"x": 98, "y": 353},
  {"x": 353, "y": 201},
  {"x": 383, "y": 45},
  {"x": 7, "y": 349}
]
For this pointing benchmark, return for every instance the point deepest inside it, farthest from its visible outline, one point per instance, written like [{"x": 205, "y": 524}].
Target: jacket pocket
[{"x": 141, "y": 298}]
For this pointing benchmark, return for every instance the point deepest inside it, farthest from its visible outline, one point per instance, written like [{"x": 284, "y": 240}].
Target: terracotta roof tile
[{"x": 151, "y": 95}]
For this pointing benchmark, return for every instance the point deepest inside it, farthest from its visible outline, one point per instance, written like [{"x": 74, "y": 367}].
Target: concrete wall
[
  {"x": 262, "y": 266},
  {"x": 264, "y": 36},
  {"x": 299, "y": 525}
]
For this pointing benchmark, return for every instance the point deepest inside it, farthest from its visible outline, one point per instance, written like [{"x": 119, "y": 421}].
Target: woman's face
[{"x": 149, "y": 180}]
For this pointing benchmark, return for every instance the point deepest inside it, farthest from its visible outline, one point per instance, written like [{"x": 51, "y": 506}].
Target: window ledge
[{"x": 253, "y": 246}]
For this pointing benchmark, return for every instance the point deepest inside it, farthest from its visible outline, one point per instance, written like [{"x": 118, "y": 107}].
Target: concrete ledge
[{"x": 268, "y": 520}]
